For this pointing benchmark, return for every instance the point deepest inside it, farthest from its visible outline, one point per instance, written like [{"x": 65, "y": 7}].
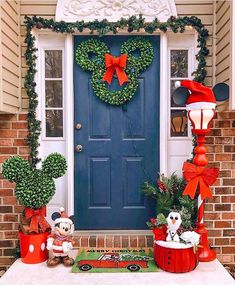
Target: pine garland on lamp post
[{"x": 177, "y": 25}]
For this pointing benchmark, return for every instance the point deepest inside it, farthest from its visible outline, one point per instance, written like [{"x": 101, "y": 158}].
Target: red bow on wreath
[
  {"x": 117, "y": 65},
  {"x": 199, "y": 176},
  {"x": 37, "y": 219}
]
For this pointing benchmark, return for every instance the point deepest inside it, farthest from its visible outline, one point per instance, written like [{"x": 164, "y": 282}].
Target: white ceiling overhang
[{"x": 113, "y": 10}]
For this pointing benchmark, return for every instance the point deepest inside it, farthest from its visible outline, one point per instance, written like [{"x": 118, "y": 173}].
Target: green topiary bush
[
  {"x": 15, "y": 168},
  {"x": 34, "y": 187},
  {"x": 54, "y": 165}
]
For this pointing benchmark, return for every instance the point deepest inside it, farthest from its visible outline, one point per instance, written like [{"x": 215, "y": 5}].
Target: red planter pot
[
  {"x": 176, "y": 260},
  {"x": 33, "y": 247}
]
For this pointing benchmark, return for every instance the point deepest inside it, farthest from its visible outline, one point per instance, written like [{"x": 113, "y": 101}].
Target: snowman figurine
[{"x": 173, "y": 223}]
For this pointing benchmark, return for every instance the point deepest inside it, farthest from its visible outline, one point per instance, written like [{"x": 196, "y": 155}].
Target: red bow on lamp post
[
  {"x": 201, "y": 177},
  {"x": 115, "y": 64},
  {"x": 37, "y": 219}
]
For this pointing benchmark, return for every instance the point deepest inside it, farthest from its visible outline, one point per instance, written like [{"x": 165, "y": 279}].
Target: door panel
[
  {"x": 100, "y": 171},
  {"x": 132, "y": 168},
  {"x": 120, "y": 148}
]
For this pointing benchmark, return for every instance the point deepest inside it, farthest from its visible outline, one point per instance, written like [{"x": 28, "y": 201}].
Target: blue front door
[{"x": 120, "y": 148}]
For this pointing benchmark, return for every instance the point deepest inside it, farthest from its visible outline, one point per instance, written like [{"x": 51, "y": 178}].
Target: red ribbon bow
[
  {"x": 199, "y": 176},
  {"x": 37, "y": 219},
  {"x": 160, "y": 233},
  {"x": 117, "y": 65}
]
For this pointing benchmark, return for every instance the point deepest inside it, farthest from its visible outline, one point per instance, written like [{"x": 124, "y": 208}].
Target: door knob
[
  {"x": 79, "y": 148},
  {"x": 78, "y": 126}
]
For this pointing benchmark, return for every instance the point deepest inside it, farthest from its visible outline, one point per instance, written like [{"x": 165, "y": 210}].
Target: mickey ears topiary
[
  {"x": 54, "y": 165},
  {"x": 15, "y": 169},
  {"x": 188, "y": 91}
]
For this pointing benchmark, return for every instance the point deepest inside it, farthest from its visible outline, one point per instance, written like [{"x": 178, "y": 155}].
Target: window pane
[
  {"x": 53, "y": 64},
  {"x": 54, "y": 93},
  {"x": 179, "y": 63},
  {"x": 54, "y": 123},
  {"x": 172, "y": 90},
  {"x": 179, "y": 123}
]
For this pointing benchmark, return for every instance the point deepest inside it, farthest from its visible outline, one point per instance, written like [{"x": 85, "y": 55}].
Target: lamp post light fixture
[{"x": 201, "y": 120}]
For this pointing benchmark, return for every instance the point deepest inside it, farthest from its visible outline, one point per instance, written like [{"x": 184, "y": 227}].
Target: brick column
[
  {"x": 220, "y": 211},
  {"x": 13, "y": 131}
]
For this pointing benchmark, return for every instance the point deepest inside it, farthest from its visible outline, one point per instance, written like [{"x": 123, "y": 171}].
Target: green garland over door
[{"x": 177, "y": 25}]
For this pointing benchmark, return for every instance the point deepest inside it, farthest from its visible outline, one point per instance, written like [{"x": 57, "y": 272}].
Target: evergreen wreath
[
  {"x": 135, "y": 65},
  {"x": 176, "y": 25}
]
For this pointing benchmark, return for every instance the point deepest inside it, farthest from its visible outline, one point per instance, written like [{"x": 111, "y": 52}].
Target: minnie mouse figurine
[{"x": 60, "y": 242}]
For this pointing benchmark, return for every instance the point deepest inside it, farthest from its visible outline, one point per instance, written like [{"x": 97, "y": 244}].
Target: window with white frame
[
  {"x": 53, "y": 99},
  {"x": 179, "y": 70}
]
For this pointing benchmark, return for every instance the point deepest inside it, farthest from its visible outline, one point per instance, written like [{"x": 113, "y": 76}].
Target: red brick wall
[
  {"x": 220, "y": 211},
  {"x": 13, "y": 131},
  {"x": 219, "y": 214}
]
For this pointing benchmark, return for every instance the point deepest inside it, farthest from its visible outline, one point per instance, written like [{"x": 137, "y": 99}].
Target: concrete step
[{"x": 210, "y": 273}]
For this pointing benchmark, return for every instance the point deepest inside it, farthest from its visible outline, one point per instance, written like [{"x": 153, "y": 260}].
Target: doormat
[{"x": 94, "y": 260}]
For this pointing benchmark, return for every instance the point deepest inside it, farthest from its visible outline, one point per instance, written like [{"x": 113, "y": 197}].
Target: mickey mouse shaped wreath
[
  {"x": 34, "y": 189},
  {"x": 103, "y": 66}
]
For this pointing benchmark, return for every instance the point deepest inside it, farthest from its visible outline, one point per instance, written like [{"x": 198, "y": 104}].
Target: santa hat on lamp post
[{"x": 197, "y": 96}]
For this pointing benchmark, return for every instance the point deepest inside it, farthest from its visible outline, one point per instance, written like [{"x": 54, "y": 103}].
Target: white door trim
[
  {"x": 163, "y": 150},
  {"x": 69, "y": 107}
]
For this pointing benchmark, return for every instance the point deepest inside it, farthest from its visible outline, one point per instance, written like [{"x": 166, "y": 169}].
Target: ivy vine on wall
[{"x": 177, "y": 25}]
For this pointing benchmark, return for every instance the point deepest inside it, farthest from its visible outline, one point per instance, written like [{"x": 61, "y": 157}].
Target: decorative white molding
[{"x": 113, "y": 10}]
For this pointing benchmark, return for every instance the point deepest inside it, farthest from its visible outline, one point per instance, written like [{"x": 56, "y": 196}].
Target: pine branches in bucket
[{"x": 167, "y": 192}]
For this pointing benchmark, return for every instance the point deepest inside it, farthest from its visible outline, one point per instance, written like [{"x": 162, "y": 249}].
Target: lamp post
[
  {"x": 201, "y": 120},
  {"x": 200, "y": 103}
]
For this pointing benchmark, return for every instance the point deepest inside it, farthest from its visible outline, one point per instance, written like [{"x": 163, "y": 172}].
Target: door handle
[
  {"x": 78, "y": 148},
  {"x": 78, "y": 126}
]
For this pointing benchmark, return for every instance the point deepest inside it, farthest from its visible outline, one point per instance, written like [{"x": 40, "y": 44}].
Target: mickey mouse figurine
[{"x": 60, "y": 242}]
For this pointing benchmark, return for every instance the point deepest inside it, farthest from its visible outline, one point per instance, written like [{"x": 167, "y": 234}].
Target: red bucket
[
  {"x": 33, "y": 247},
  {"x": 175, "y": 257}
]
